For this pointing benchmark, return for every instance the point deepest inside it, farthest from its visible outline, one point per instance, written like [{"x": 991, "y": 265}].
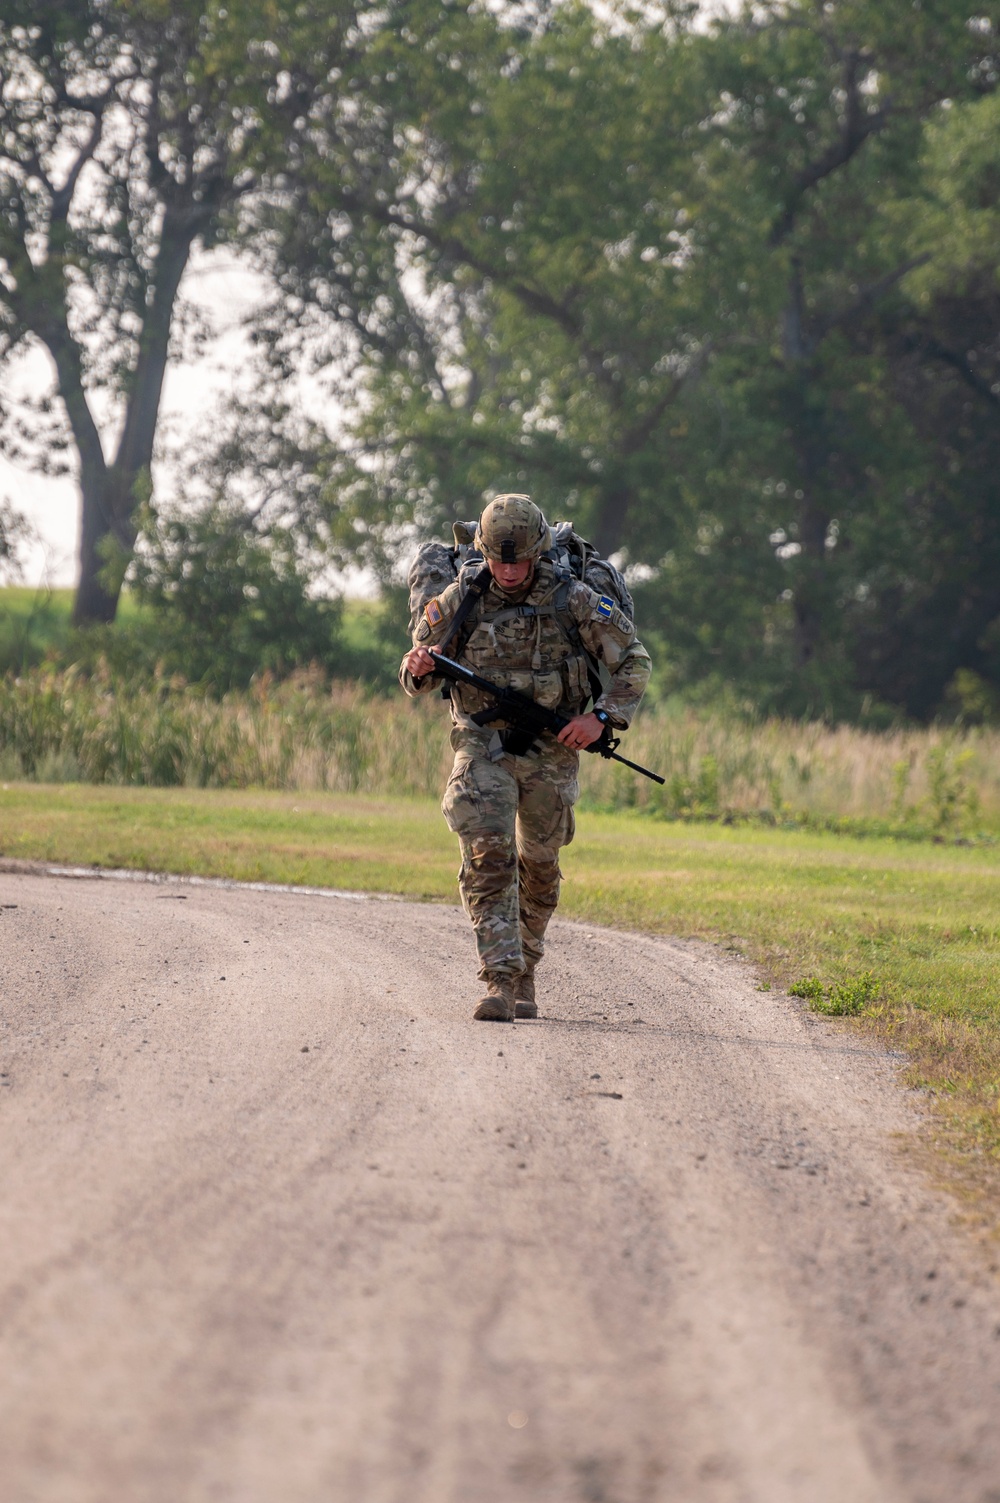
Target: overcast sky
[{"x": 226, "y": 291}]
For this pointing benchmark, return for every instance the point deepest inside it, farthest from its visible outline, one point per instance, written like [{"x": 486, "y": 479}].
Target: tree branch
[
  {"x": 796, "y": 344},
  {"x": 552, "y": 459},
  {"x": 61, "y": 198},
  {"x": 866, "y": 297},
  {"x": 637, "y": 435},
  {"x": 533, "y": 298},
  {"x": 857, "y": 126},
  {"x": 180, "y": 228},
  {"x": 69, "y": 374},
  {"x": 959, "y": 363}
]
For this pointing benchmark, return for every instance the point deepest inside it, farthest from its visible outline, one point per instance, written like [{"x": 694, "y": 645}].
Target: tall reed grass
[
  {"x": 306, "y": 734},
  {"x": 941, "y": 780}
]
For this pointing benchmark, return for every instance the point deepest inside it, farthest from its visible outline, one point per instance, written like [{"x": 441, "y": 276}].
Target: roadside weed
[
  {"x": 850, "y": 998},
  {"x": 847, "y": 999}
]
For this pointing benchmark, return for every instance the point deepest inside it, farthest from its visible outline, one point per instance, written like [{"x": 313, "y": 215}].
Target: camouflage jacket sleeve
[
  {"x": 609, "y": 635},
  {"x": 427, "y": 633}
]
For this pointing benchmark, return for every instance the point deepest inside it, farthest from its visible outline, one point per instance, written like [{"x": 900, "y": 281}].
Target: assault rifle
[{"x": 526, "y": 718}]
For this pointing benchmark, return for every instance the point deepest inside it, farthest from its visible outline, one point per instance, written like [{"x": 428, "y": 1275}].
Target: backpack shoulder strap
[
  {"x": 477, "y": 587},
  {"x": 567, "y": 577}
]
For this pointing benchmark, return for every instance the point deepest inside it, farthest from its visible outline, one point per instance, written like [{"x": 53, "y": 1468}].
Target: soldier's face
[{"x": 511, "y": 576}]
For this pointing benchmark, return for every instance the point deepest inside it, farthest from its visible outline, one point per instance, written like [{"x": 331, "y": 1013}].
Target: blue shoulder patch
[{"x": 605, "y": 607}]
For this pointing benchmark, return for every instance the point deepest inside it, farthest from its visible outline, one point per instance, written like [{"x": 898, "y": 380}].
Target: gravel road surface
[{"x": 280, "y": 1224}]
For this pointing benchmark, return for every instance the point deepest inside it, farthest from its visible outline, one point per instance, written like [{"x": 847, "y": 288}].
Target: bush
[
  {"x": 223, "y": 603},
  {"x": 846, "y": 1000}
]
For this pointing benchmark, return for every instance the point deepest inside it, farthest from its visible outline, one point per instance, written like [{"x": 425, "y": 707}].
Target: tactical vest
[{"x": 531, "y": 646}]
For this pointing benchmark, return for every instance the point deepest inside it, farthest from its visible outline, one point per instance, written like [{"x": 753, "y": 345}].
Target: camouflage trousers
[{"x": 512, "y": 817}]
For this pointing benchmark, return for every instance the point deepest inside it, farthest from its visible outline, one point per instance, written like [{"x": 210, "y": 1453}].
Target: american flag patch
[
  {"x": 434, "y": 613},
  {"x": 605, "y": 607}
]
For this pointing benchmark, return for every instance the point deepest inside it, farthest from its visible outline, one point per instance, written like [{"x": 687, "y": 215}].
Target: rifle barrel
[{"x": 655, "y": 776}]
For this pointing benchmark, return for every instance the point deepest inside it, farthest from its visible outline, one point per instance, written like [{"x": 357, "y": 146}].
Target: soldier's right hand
[{"x": 419, "y": 662}]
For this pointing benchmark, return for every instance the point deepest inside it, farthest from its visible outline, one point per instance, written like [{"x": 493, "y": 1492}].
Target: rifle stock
[{"x": 525, "y": 715}]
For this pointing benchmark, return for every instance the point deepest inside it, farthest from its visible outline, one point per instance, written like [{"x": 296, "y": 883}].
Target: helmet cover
[{"x": 512, "y": 530}]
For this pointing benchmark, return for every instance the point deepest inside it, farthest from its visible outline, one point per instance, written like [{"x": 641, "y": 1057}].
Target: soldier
[{"x": 530, "y": 631}]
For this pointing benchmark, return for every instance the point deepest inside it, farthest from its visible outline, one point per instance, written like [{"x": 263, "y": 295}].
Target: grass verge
[{"x": 906, "y": 937}]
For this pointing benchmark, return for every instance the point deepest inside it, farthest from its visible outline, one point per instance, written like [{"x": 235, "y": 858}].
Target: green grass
[
  {"x": 325, "y": 840},
  {"x": 904, "y": 935},
  {"x": 33, "y": 625}
]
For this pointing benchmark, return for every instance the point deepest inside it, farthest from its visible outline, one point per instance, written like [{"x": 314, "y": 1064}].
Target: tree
[
  {"x": 131, "y": 133},
  {"x": 828, "y": 108},
  {"x": 927, "y": 632},
  {"x": 660, "y": 274},
  {"x": 522, "y": 328}
]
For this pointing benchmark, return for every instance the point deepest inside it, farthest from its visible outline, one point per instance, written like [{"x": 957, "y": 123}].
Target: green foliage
[
  {"x": 723, "y": 290},
  {"x": 301, "y": 732},
  {"x": 959, "y": 226},
  {"x": 947, "y": 771},
  {"x": 15, "y": 532},
  {"x": 848, "y": 998},
  {"x": 103, "y": 723},
  {"x": 972, "y": 700},
  {"x": 694, "y": 791},
  {"x": 133, "y": 134},
  {"x": 34, "y": 625},
  {"x": 225, "y": 604},
  {"x": 673, "y": 280},
  {"x": 901, "y": 773},
  {"x": 359, "y": 640}
]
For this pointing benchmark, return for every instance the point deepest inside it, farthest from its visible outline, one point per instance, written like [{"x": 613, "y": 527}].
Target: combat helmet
[{"x": 511, "y": 530}]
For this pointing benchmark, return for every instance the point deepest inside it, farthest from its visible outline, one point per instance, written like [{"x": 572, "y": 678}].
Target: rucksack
[{"x": 437, "y": 566}]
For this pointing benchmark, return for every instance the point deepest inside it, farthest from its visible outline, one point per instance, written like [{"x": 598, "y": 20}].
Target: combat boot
[
  {"x": 498, "y": 1004},
  {"x": 524, "y": 993}
]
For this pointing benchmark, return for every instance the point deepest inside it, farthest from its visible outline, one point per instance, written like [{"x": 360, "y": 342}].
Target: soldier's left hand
[{"x": 583, "y": 730}]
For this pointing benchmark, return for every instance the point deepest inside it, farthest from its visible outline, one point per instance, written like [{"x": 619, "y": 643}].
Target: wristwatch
[{"x": 603, "y": 717}]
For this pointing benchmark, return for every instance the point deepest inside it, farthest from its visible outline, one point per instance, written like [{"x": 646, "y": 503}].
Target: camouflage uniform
[{"x": 512, "y": 814}]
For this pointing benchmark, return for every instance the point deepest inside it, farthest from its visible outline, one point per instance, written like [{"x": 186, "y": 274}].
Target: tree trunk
[
  {"x": 609, "y": 520},
  {"x": 812, "y": 587},
  {"x": 109, "y": 493},
  {"x": 809, "y": 443},
  {"x": 95, "y": 603}
]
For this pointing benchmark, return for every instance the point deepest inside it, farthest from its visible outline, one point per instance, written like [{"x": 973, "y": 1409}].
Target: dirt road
[{"x": 280, "y": 1224}]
